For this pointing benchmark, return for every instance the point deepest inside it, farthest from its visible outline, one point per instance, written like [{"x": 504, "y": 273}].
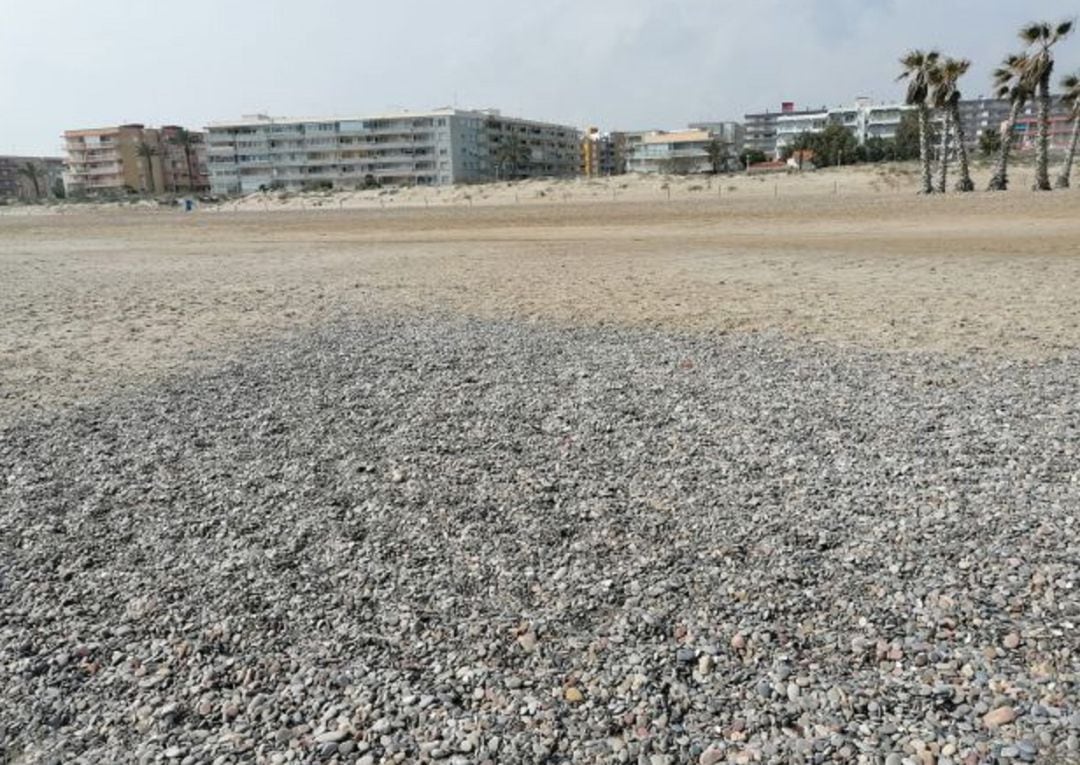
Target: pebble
[
  {"x": 573, "y": 695},
  {"x": 998, "y": 717}
]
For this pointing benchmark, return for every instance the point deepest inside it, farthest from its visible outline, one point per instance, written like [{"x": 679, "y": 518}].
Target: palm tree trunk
[
  {"x": 924, "y": 150},
  {"x": 190, "y": 175},
  {"x": 964, "y": 182},
  {"x": 1066, "y": 170},
  {"x": 1000, "y": 180},
  {"x": 943, "y": 168},
  {"x": 150, "y": 189},
  {"x": 1042, "y": 148}
]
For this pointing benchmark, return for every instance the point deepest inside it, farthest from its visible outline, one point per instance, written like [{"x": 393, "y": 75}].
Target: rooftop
[
  {"x": 250, "y": 120},
  {"x": 677, "y": 136}
]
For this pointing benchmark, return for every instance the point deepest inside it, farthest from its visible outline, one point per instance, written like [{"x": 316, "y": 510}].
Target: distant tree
[
  {"x": 147, "y": 153},
  {"x": 1011, "y": 82},
  {"x": 751, "y": 157},
  {"x": 1041, "y": 37},
  {"x": 917, "y": 69},
  {"x": 1071, "y": 98},
  {"x": 877, "y": 149},
  {"x": 835, "y": 145},
  {"x": 34, "y": 173},
  {"x": 58, "y": 189},
  {"x": 719, "y": 154},
  {"x": 511, "y": 156},
  {"x": 945, "y": 96},
  {"x": 908, "y": 136},
  {"x": 990, "y": 143}
]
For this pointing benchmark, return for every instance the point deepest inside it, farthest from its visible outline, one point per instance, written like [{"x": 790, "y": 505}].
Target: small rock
[{"x": 998, "y": 717}]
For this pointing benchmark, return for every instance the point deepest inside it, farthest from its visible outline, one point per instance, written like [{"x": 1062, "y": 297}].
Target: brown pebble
[
  {"x": 1011, "y": 641},
  {"x": 573, "y": 695},
  {"x": 998, "y": 717},
  {"x": 738, "y": 642}
]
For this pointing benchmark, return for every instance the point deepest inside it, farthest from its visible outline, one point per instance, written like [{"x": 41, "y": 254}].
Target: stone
[
  {"x": 711, "y": 756},
  {"x": 998, "y": 717}
]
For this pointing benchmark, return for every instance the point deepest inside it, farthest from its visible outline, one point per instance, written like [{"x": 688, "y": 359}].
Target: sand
[{"x": 100, "y": 298}]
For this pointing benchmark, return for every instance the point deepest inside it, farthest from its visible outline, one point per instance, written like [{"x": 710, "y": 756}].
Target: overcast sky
[{"x": 619, "y": 64}]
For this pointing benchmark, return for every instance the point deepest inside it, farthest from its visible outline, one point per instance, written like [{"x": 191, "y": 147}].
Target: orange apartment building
[{"x": 109, "y": 160}]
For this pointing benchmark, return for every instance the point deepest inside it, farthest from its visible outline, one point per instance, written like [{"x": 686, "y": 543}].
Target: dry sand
[{"x": 99, "y": 297}]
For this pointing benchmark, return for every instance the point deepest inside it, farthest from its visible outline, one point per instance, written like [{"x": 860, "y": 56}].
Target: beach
[{"x": 767, "y": 470}]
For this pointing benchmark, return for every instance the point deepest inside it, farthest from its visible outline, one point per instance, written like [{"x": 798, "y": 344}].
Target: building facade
[
  {"x": 677, "y": 151},
  {"x": 773, "y": 132},
  {"x": 730, "y": 133},
  {"x": 982, "y": 115},
  {"x": 435, "y": 148},
  {"x": 760, "y": 130},
  {"x": 602, "y": 154},
  {"x": 864, "y": 120},
  {"x": 183, "y": 165},
  {"x": 109, "y": 160},
  {"x": 40, "y": 183}
]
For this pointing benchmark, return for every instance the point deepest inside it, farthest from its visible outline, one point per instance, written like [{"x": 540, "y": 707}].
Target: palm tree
[
  {"x": 1010, "y": 82},
  {"x": 34, "y": 173},
  {"x": 511, "y": 155},
  {"x": 147, "y": 153},
  {"x": 946, "y": 97},
  {"x": 918, "y": 67},
  {"x": 1040, "y": 37},
  {"x": 186, "y": 140},
  {"x": 1071, "y": 97}
]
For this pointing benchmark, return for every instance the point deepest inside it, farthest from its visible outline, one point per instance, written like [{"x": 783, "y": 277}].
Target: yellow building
[
  {"x": 602, "y": 154},
  {"x": 110, "y": 160},
  {"x": 107, "y": 159}
]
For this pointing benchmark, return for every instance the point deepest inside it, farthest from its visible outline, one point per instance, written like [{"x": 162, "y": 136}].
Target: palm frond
[{"x": 1033, "y": 32}]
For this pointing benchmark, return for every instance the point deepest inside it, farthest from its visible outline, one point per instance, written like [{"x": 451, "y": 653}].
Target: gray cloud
[{"x": 613, "y": 63}]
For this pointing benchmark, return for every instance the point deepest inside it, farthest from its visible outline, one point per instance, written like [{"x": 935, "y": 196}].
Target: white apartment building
[
  {"x": 434, "y": 148},
  {"x": 790, "y": 126},
  {"x": 864, "y": 120}
]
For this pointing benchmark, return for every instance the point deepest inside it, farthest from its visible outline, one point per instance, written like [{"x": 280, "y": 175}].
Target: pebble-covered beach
[{"x": 435, "y": 538}]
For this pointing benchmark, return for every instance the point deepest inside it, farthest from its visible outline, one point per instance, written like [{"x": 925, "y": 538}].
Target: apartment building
[
  {"x": 760, "y": 129},
  {"x": 108, "y": 160},
  {"x": 864, "y": 120},
  {"x": 434, "y": 148},
  {"x": 602, "y": 154},
  {"x": 788, "y": 127},
  {"x": 15, "y": 184},
  {"x": 676, "y": 151},
  {"x": 867, "y": 120},
  {"x": 772, "y": 132},
  {"x": 183, "y": 161},
  {"x": 981, "y": 115},
  {"x": 730, "y": 133}
]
